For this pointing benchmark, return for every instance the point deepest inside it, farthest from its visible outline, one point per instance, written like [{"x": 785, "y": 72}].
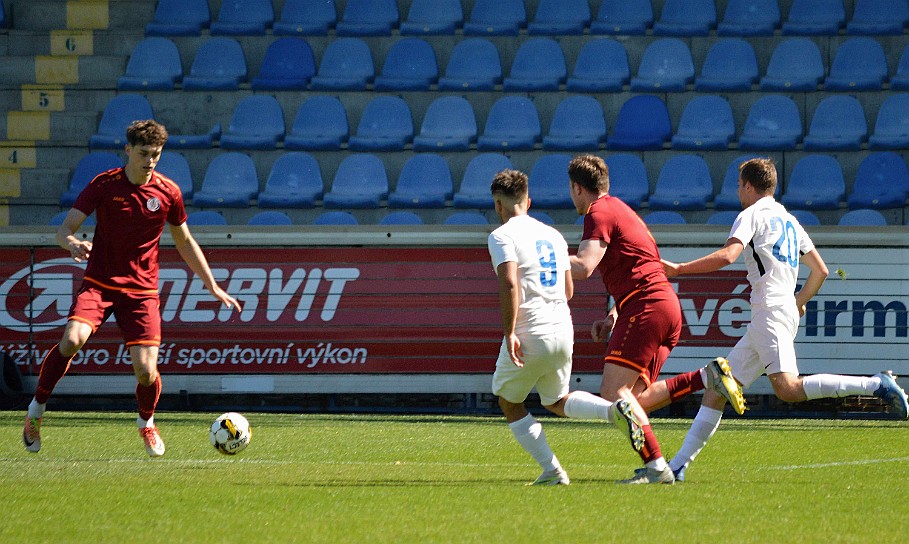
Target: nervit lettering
[{"x": 887, "y": 318}]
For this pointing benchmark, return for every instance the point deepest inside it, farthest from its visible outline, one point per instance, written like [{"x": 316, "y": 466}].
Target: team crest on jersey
[{"x": 153, "y": 204}]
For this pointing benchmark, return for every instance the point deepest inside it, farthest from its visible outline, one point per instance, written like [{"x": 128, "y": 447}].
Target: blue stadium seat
[
  {"x": 577, "y": 124},
  {"x": 513, "y": 124},
  {"x": 795, "y": 65},
  {"x": 548, "y": 182},
  {"x": 560, "y": 17},
  {"x": 153, "y": 65},
  {"x": 466, "y": 218},
  {"x": 368, "y": 18},
  {"x": 306, "y": 18},
  {"x": 666, "y": 66},
  {"x": 628, "y": 178},
  {"x": 269, "y": 218},
  {"x": 179, "y": 18},
  {"x": 815, "y": 183},
  {"x": 750, "y": 18},
  {"x": 539, "y": 65},
  {"x": 474, "y": 65},
  {"x": 320, "y": 124},
  {"x": 728, "y": 197},
  {"x": 900, "y": 80},
  {"x": 288, "y": 65},
  {"x": 474, "y": 189},
  {"x": 176, "y": 167},
  {"x": 385, "y": 125},
  {"x": 410, "y": 65},
  {"x": 119, "y": 112},
  {"x": 335, "y": 218},
  {"x": 359, "y": 182},
  {"x": 346, "y": 66},
  {"x": 195, "y": 141},
  {"x": 773, "y": 123},
  {"x": 642, "y": 123},
  {"x": 295, "y": 181},
  {"x": 730, "y": 65},
  {"x": 815, "y": 17},
  {"x": 205, "y": 218},
  {"x": 86, "y": 169},
  {"x": 219, "y": 64},
  {"x": 878, "y": 17},
  {"x": 664, "y": 217},
  {"x": 625, "y": 17},
  {"x": 725, "y": 217},
  {"x": 806, "y": 218},
  {"x": 2, "y": 16},
  {"x": 542, "y": 217},
  {"x": 58, "y": 219},
  {"x": 706, "y": 123},
  {"x": 684, "y": 183},
  {"x": 859, "y": 65},
  {"x": 243, "y": 18},
  {"x": 401, "y": 218},
  {"x": 424, "y": 182},
  {"x": 230, "y": 181},
  {"x": 496, "y": 18},
  {"x": 891, "y": 130},
  {"x": 601, "y": 66},
  {"x": 838, "y": 124},
  {"x": 686, "y": 18},
  {"x": 257, "y": 123},
  {"x": 882, "y": 181},
  {"x": 862, "y": 218},
  {"x": 427, "y": 17},
  {"x": 449, "y": 125}
]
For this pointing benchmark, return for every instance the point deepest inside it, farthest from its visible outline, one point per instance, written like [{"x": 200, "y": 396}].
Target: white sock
[
  {"x": 143, "y": 423},
  {"x": 826, "y": 386},
  {"x": 529, "y": 434},
  {"x": 583, "y": 405},
  {"x": 705, "y": 424},
  {"x": 657, "y": 464},
  {"x": 36, "y": 410}
]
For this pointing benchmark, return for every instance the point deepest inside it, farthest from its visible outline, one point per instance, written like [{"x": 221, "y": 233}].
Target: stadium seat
[
  {"x": 900, "y": 80},
  {"x": 153, "y": 65},
  {"x": 427, "y": 17},
  {"x": 805, "y": 218},
  {"x": 346, "y": 66},
  {"x": 795, "y": 65},
  {"x": 179, "y": 18},
  {"x": 359, "y": 182},
  {"x": 815, "y": 17},
  {"x": 512, "y": 124},
  {"x": 725, "y": 217},
  {"x": 243, "y": 18},
  {"x": 288, "y": 65},
  {"x": 642, "y": 123},
  {"x": 58, "y": 219},
  {"x": 424, "y": 182},
  {"x": 539, "y": 65},
  {"x": 684, "y": 183},
  {"x": 466, "y": 218},
  {"x": 773, "y": 123},
  {"x": 542, "y": 217},
  {"x": 86, "y": 169},
  {"x": 728, "y": 197},
  {"x": 706, "y": 123},
  {"x": 257, "y": 123},
  {"x": 401, "y": 218},
  {"x": 882, "y": 181},
  {"x": 3, "y": 23},
  {"x": 474, "y": 65},
  {"x": 815, "y": 183},
  {"x": 838, "y": 124},
  {"x": 577, "y": 124},
  {"x": 449, "y": 125},
  {"x": 306, "y": 18},
  {"x": 205, "y": 218},
  {"x": 891, "y": 130},
  {"x": 862, "y": 218},
  {"x": 474, "y": 189},
  {"x": 219, "y": 65},
  {"x": 320, "y": 124},
  {"x": 730, "y": 65},
  {"x": 878, "y": 17},
  {"x": 410, "y": 65},
  {"x": 385, "y": 125},
  {"x": 548, "y": 182},
  {"x": 269, "y": 218},
  {"x": 333, "y": 218},
  {"x": 686, "y": 18},
  {"x": 560, "y": 17},
  {"x": 750, "y": 18},
  {"x": 496, "y": 18},
  {"x": 664, "y": 217},
  {"x": 368, "y": 18},
  {"x": 628, "y": 178},
  {"x": 119, "y": 112},
  {"x": 601, "y": 66},
  {"x": 231, "y": 181},
  {"x": 859, "y": 65},
  {"x": 195, "y": 141},
  {"x": 666, "y": 66},
  {"x": 625, "y": 17},
  {"x": 295, "y": 181},
  {"x": 176, "y": 167}
]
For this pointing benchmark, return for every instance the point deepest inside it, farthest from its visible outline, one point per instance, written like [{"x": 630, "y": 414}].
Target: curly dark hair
[
  {"x": 590, "y": 172},
  {"x": 146, "y": 132},
  {"x": 511, "y": 183}
]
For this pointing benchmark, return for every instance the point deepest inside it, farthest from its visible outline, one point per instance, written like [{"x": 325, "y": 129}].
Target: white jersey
[
  {"x": 541, "y": 254},
  {"x": 773, "y": 240}
]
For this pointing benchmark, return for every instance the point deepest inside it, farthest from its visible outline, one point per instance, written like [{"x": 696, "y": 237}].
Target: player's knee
[{"x": 146, "y": 377}]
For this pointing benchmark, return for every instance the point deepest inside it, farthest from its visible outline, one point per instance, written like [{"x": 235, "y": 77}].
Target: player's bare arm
[
  {"x": 509, "y": 299},
  {"x": 191, "y": 252},
  {"x": 78, "y": 249},
  {"x": 720, "y": 258},
  {"x": 815, "y": 279},
  {"x": 590, "y": 253}
]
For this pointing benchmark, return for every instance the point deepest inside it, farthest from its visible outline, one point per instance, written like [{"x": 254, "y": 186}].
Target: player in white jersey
[
  {"x": 531, "y": 262},
  {"x": 773, "y": 241}
]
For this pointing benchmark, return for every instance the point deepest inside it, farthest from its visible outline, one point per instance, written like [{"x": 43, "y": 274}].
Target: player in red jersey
[
  {"x": 646, "y": 319},
  {"x": 132, "y": 204}
]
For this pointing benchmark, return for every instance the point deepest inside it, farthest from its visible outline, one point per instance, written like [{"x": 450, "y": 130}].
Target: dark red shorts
[
  {"x": 138, "y": 314},
  {"x": 647, "y": 328}
]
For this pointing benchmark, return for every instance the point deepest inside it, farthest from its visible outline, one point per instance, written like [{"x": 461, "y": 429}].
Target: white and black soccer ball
[{"x": 230, "y": 433}]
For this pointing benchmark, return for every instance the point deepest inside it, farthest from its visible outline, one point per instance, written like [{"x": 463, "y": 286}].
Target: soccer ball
[{"x": 230, "y": 433}]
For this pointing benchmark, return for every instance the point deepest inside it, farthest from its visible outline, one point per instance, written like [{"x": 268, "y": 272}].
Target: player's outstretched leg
[
  {"x": 31, "y": 434},
  {"x": 627, "y": 423},
  {"x": 891, "y": 393},
  {"x": 721, "y": 380}
]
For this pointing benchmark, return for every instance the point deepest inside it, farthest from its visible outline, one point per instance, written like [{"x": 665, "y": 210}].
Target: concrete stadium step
[
  {"x": 92, "y": 72},
  {"x": 72, "y": 42},
  {"x": 66, "y": 128},
  {"x": 95, "y": 14}
]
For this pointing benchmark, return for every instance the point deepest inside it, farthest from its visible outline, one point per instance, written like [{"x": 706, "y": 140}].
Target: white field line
[{"x": 841, "y": 463}]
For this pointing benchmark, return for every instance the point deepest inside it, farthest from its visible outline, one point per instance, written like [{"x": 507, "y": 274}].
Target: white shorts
[
  {"x": 547, "y": 366},
  {"x": 768, "y": 346}
]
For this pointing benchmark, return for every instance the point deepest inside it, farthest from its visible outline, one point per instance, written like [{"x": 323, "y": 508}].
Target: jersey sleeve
[
  {"x": 90, "y": 197},
  {"x": 743, "y": 227},
  {"x": 597, "y": 226},
  {"x": 501, "y": 249},
  {"x": 177, "y": 213},
  {"x": 806, "y": 245}
]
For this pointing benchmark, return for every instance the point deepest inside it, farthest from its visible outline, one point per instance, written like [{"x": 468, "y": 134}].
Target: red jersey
[{"x": 130, "y": 220}]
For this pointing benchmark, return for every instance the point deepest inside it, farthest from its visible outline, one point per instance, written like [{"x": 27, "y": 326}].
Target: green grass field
[{"x": 339, "y": 478}]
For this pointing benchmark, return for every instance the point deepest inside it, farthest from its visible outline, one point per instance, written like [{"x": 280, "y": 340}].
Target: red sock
[
  {"x": 148, "y": 395},
  {"x": 53, "y": 368},
  {"x": 651, "y": 450},
  {"x": 684, "y": 385}
]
